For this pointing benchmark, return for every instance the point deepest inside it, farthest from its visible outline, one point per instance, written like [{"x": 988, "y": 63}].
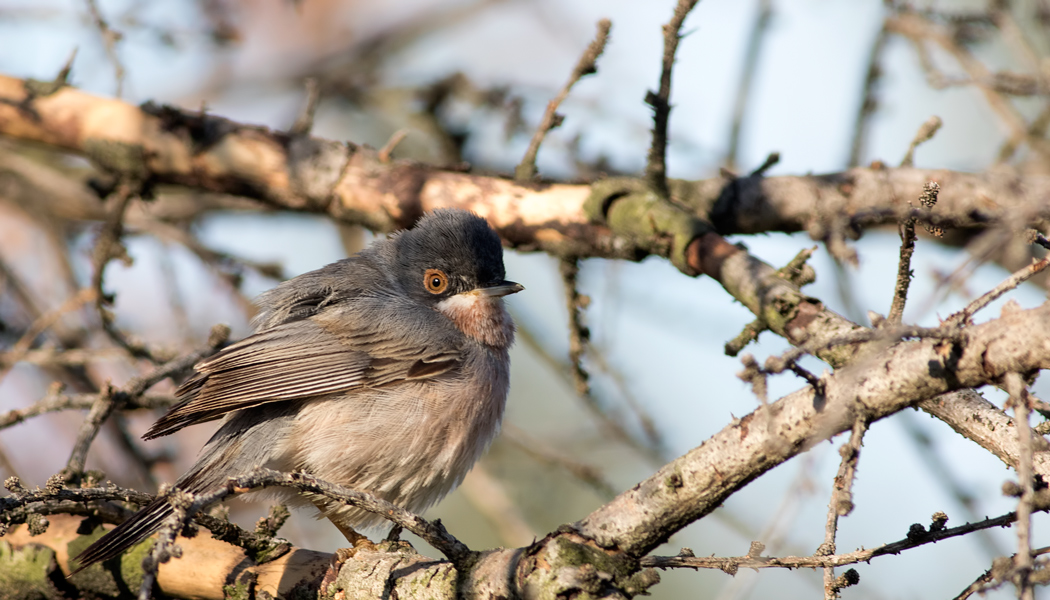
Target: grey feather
[{"x": 358, "y": 375}]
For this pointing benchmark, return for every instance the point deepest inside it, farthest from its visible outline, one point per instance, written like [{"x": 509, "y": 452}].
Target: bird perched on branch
[{"x": 386, "y": 372}]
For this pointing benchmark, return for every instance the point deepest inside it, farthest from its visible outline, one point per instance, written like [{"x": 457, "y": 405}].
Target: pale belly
[{"x": 410, "y": 443}]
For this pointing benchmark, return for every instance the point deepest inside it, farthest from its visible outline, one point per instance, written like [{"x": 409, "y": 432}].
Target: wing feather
[{"x": 303, "y": 359}]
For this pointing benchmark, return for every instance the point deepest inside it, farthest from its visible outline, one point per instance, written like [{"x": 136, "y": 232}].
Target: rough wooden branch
[
  {"x": 698, "y": 482},
  {"x": 351, "y": 184}
]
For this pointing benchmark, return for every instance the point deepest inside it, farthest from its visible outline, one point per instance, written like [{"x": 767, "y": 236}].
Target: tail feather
[{"x": 140, "y": 526}]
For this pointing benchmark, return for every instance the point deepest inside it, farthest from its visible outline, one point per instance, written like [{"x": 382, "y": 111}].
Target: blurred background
[{"x": 468, "y": 82}]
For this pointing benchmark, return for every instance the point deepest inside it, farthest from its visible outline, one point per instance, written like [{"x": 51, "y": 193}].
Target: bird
[{"x": 386, "y": 372}]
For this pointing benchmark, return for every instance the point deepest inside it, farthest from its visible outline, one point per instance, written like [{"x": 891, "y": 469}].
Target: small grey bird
[{"x": 385, "y": 372}]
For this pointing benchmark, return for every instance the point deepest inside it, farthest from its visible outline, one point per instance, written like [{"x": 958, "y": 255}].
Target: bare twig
[
  {"x": 907, "y": 232},
  {"x": 797, "y": 272},
  {"x": 579, "y": 338},
  {"x": 925, "y": 133},
  {"x": 526, "y": 170},
  {"x": 490, "y": 498},
  {"x": 109, "y": 41},
  {"x": 432, "y": 532},
  {"x": 868, "y": 102},
  {"x": 917, "y": 536},
  {"x": 304, "y": 122},
  {"x": 111, "y": 399},
  {"x": 541, "y": 452},
  {"x": 963, "y": 317},
  {"x": 920, "y": 29},
  {"x": 993, "y": 577},
  {"x": 841, "y": 503},
  {"x": 1023, "y": 562},
  {"x": 1035, "y": 237},
  {"x": 108, "y": 247},
  {"x": 748, "y": 334},
  {"x": 388, "y": 148},
  {"x": 660, "y": 101},
  {"x": 45, "y": 322},
  {"x": 605, "y": 420},
  {"x": 755, "y": 39}
]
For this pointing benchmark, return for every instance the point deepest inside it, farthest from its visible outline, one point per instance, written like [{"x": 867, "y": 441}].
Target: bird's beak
[{"x": 503, "y": 288}]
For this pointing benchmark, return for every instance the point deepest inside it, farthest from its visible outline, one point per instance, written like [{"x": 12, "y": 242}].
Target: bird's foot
[{"x": 340, "y": 557}]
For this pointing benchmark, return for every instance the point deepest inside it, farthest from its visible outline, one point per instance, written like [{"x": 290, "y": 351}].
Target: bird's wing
[{"x": 375, "y": 345}]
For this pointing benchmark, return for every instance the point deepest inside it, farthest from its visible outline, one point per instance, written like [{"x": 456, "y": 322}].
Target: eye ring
[{"x": 435, "y": 281}]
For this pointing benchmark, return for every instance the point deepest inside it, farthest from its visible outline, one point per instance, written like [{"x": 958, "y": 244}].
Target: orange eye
[{"x": 435, "y": 281}]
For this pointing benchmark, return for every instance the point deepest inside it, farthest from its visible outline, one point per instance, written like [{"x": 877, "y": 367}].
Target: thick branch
[
  {"x": 695, "y": 484},
  {"x": 352, "y": 185}
]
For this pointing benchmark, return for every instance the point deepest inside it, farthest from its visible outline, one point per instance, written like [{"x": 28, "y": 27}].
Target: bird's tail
[
  {"x": 129, "y": 533},
  {"x": 244, "y": 442}
]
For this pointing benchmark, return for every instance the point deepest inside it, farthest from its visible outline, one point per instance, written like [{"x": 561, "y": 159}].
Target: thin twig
[
  {"x": 108, "y": 247},
  {"x": 925, "y": 133},
  {"x": 920, "y": 29},
  {"x": 605, "y": 420},
  {"x": 387, "y": 150},
  {"x": 907, "y": 232},
  {"x": 111, "y": 399},
  {"x": 109, "y": 41},
  {"x": 1023, "y": 562},
  {"x": 994, "y": 576},
  {"x": 755, "y": 40},
  {"x": 579, "y": 337},
  {"x": 542, "y": 453},
  {"x": 187, "y": 505},
  {"x": 304, "y": 122},
  {"x": 963, "y": 317},
  {"x": 918, "y": 536},
  {"x": 660, "y": 101},
  {"x": 798, "y": 273},
  {"x": 55, "y": 402},
  {"x": 526, "y": 169},
  {"x": 868, "y": 102},
  {"x": 841, "y": 502}
]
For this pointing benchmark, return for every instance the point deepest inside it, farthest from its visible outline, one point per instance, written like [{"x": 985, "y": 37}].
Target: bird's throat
[{"x": 481, "y": 318}]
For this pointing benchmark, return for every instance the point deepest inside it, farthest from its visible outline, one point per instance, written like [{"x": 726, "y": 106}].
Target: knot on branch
[
  {"x": 568, "y": 565},
  {"x": 652, "y": 222}
]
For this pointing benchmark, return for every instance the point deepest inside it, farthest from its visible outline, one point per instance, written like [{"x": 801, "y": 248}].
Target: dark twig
[
  {"x": 797, "y": 272},
  {"x": 771, "y": 160},
  {"x": 995, "y": 576},
  {"x": 55, "y": 402},
  {"x": 907, "y": 232},
  {"x": 187, "y": 505},
  {"x": 841, "y": 503},
  {"x": 868, "y": 102},
  {"x": 387, "y": 150},
  {"x": 579, "y": 339},
  {"x": 542, "y": 453},
  {"x": 111, "y": 399},
  {"x": 1023, "y": 563},
  {"x": 939, "y": 467},
  {"x": 748, "y": 334},
  {"x": 109, "y": 246},
  {"x": 660, "y": 101},
  {"x": 526, "y": 170},
  {"x": 918, "y": 536},
  {"x": 567, "y": 371},
  {"x": 109, "y": 41},
  {"x": 305, "y": 121},
  {"x": 1034, "y": 237},
  {"x": 963, "y": 317},
  {"x": 747, "y": 78},
  {"x": 925, "y": 133}
]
